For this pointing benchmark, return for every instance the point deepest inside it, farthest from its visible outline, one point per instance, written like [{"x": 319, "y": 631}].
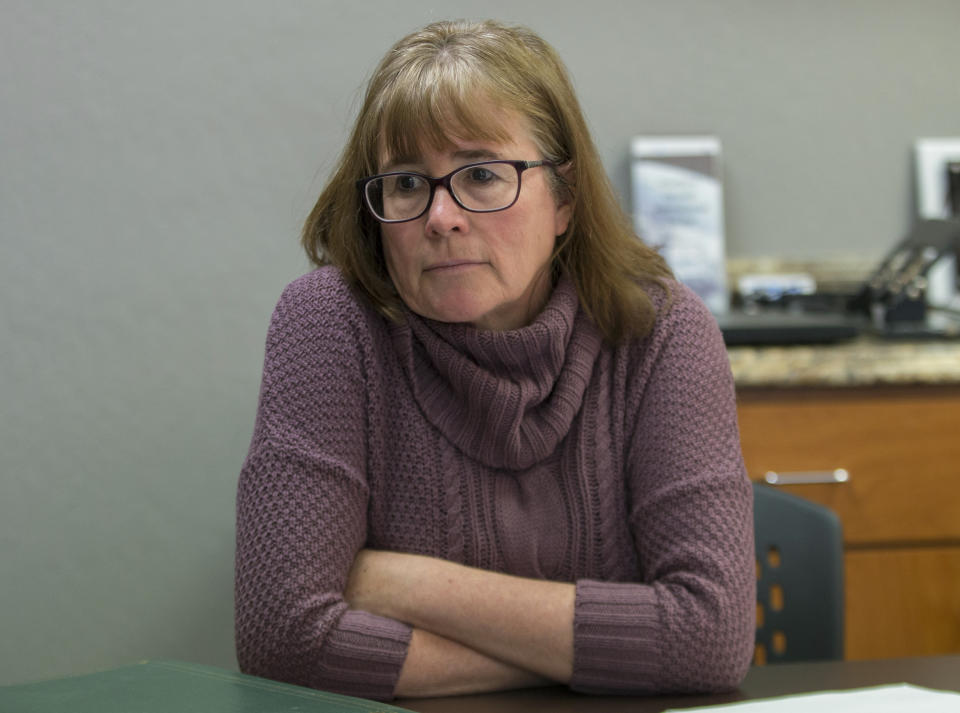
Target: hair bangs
[{"x": 429, "y": 107}]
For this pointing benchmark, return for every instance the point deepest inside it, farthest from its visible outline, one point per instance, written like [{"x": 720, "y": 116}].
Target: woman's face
[{"x": 490, "y": 270}]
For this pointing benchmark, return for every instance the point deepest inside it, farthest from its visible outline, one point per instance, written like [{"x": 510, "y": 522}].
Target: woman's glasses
[{"x": 484, "y": 187}]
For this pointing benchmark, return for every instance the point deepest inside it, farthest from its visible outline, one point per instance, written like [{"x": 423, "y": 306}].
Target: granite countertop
[{"x": 861, "y": 362}]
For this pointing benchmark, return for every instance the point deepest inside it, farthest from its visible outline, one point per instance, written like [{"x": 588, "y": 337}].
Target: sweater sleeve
[
  {"x": 302, "y": 505},
  {"x": 688, "y": 624}
]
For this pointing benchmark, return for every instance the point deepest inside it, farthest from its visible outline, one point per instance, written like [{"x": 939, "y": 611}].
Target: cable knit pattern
[{"x": 541, "y": 452}]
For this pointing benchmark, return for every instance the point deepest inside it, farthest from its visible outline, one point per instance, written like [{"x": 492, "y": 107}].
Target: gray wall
[{"x": 157, "y": 159}]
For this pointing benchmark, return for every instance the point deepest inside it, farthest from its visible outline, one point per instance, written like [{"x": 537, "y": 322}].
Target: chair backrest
[{"x": 799, "y": 548}]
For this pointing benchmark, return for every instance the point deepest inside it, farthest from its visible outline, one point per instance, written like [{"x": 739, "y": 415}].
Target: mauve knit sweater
[{"x": 542, "y": 452}]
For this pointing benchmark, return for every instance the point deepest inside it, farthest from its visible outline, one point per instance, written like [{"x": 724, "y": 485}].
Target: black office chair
[{"x": 799, "y": 548}]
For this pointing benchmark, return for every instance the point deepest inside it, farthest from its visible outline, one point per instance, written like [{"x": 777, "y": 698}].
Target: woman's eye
[
  {"x": 408, "y": 183},
  {"x": 481, "y": 175}
]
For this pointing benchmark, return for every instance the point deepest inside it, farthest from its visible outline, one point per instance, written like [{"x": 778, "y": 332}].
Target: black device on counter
[{"x": 783, "y": 326}]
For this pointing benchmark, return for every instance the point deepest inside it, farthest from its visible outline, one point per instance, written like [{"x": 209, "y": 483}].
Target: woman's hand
[{"x": 527, "y": 623}]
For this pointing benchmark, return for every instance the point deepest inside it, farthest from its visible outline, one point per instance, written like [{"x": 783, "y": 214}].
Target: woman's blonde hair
[{"x": 436, "y": 83}]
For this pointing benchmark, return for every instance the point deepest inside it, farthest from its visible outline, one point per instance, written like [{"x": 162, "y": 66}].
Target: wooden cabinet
[{"x": 900, "y": 508}]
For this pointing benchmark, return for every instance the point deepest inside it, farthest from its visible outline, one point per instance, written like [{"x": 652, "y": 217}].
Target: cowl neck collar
[{"x": 505, "y": 398}]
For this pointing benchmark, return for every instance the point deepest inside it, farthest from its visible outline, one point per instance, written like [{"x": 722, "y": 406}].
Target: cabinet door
[
  {"x": 902, "y": 602},
  {"x": 900, "y": 446}
]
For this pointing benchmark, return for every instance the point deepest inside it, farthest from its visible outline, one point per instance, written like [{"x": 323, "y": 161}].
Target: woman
[{"x": 496, "y": 444}]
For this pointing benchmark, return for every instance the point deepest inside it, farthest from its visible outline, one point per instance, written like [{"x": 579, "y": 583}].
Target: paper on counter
[{"x": 896, "y": 698}]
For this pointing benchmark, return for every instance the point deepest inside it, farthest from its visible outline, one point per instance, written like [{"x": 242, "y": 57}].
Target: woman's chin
[
  {"x": 498, "y": 318},
  {"x": 454, "y": 315}
]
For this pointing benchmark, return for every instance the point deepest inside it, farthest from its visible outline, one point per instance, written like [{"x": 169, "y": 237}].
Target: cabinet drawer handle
[{"x": 838, "y": 475}]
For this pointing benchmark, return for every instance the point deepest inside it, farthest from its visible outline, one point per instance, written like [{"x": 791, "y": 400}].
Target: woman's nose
[{"x": 444, "y": 214}]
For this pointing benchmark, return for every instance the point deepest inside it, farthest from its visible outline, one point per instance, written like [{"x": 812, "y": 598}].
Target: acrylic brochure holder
[{"x": 678, "y": 209}]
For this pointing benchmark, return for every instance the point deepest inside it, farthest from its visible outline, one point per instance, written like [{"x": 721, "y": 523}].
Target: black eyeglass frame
[{"x": 444, "y": 181}]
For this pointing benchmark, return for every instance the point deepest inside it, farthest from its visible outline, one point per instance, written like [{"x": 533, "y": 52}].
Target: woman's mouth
[{"x": 452, "y": 265}]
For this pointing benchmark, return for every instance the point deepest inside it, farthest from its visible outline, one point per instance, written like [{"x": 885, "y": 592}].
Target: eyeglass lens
[{"x": 482, "y": 188}]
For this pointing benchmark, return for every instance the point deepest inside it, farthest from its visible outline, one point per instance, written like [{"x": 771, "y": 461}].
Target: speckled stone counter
[{"x": 861, "y": 362}]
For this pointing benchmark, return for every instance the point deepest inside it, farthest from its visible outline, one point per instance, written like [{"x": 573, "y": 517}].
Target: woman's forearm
[
  {"x": 526, "y": 623},
  {"x": 436, "y": 666}
]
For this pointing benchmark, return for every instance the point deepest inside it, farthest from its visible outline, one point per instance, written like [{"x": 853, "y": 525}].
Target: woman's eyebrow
[
  {"x": 481, "y": 154},
  {"x": 415, "y": 164},
  {"x": 401, "y": 163}
]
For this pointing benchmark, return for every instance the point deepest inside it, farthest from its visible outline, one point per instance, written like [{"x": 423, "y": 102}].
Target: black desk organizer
[{"x": 895, "y": 293}]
